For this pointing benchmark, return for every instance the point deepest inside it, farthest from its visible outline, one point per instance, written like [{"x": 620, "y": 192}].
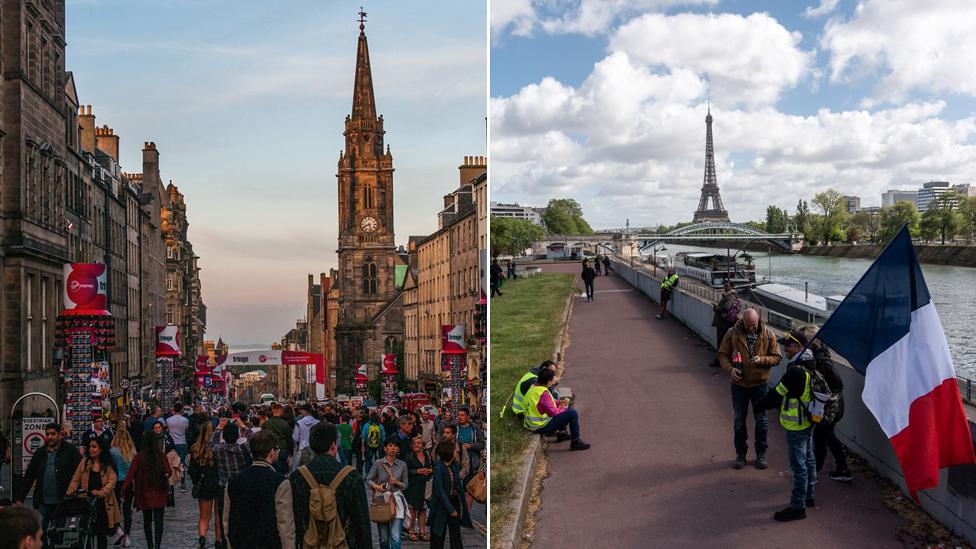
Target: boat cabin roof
[{"x": 799, "y": 297}]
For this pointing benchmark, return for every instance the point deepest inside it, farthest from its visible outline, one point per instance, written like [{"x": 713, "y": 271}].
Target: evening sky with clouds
[
  {"x": 604, "y": 101},
  {"x": 246, "y": 101}
]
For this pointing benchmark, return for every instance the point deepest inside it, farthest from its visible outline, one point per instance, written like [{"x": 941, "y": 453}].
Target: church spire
[{"x": 363, "y": 100}]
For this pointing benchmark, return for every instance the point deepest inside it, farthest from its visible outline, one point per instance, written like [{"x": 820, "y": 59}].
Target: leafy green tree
[
  {"x": 757, "y": 225},
  {"x": 802, "y": 217},
  {"x": 565, "y": 216},
  {"x": 776, "y": 220},
  {"x": 853, "y": 233},
  {"x": 512, "y": 236},
  {"x": 833, "y": 208},
  {"x": 929, "y": 225},
  {"x": 967, "y": 217},
  {"x": 944, "y": 215},
  {"x": 866, "y": 223},
  {"x": 892, "y": 219}
]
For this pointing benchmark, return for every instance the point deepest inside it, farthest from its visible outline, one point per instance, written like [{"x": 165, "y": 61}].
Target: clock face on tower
[{"x": 368, "y": 224}]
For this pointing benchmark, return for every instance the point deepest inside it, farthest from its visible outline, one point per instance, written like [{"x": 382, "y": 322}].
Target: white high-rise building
[
  {"x": 516, "y": 211},
  {"x": 891, "y": 196},
  {"x": 929, "y": 192}
]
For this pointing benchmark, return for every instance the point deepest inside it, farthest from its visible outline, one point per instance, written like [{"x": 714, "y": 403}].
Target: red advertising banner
[
  {"x": 203, "y": 365},
  {"x": 389, "y": 365},
  {"x": 361, "y": 373},
  {"x": 167, "y": 341},
  {"x": 85, "y": 289},
  {"x": 452, "y": 339}
]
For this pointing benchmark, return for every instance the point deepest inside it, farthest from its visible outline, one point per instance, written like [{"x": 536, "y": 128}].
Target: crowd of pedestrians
[{"x": 267, "y": 476}]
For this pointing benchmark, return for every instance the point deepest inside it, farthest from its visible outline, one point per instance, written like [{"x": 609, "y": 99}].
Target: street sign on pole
[
  {"x": 34, "y": 438},
  {"x": 124, "y": 383}
]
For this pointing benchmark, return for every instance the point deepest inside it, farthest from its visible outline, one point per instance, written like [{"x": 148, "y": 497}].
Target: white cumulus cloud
[{"x": 912, "y": 45}]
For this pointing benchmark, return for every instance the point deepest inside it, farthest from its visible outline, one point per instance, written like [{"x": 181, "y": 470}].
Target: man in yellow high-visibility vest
[
  {"x": 668, "y": 285},
  {"x": 791, "y": 396},
  {"x": 543, "y": 415}
]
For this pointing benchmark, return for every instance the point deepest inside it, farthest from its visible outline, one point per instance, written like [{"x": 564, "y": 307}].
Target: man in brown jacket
[{"x": 747, "y": 353}]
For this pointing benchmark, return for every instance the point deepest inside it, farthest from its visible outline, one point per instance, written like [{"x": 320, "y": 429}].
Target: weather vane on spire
[{"x": 362, "y": 20}]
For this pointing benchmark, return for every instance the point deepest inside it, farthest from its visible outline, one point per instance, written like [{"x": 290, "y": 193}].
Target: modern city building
[
  {"x": 516, "y": 211},
  {"x": 929, "y": 192},
  {"x": 853, "y": 203},
  {"x": 891, "y": 196}
]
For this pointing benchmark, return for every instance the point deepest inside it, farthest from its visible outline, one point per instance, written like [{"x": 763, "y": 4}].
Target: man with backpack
[
  {"x": 823, "y": 432},
  {"x": 373, "y": 434},
  {"x": 335, "y": 513},
  {"x": 793, "y": 395}
]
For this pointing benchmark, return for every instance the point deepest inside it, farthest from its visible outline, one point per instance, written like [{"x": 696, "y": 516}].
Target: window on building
[
  {"x": 169, "y": 314},
  {"x": 44, "y": 283},
  {"x": 369, "y": 278},
  {"x": 368, "y": 197},
  {"x": 29, "y": 292}
]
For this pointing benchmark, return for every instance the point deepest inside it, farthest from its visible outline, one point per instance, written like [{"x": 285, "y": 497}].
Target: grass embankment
[{"x": 524, "y": 325}]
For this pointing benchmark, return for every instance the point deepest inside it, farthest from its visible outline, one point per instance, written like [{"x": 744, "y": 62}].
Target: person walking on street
[
  {"x": 588, "y": 275},
  {"x": 448, "y": 511},
  {"x": 123, "y": 451},
  {"x": 420, "y": 467},
  {"x": 824, "y": 437},
  {"x": 472, "y": 441},
  {"x": 543, "y": 415},
  {"x": 427, "y": 430},
  {"x": 20, "y": 528},
  {"x": 597, "y": 264},
  {"x": 351, "y": 506},
  {"x": 206, "y": 483},
  {"x": 386, "y": 480},
  {"x": 495, "y": 276},
  {"x": 791, "y": 396},
  {"x": 176, "y": 425},
  {"x": 277, "y": 425},
  {"x": 148, "y": 480},
  {"x": 373, "y": 434},
  {"x": 52, "y": 471},
  {"x": 249, "y": 502},
  {"x": 300, "y": 434},
  {"x": 152, "y": 419},
  {"x": 606, "y": 265},
  {"x": 98, "y": 430},
  {"x": 747, "y": 353},
  {"x": 96, "y": 475},
  {"x": 726, "y": 315},
  {"x": 668, "y": 285},
  {"x": 231, "y": 457},
  {"x": 512, "y": 275}
]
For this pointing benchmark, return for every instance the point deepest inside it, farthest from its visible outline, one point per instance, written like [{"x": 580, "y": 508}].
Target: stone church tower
[{"x": 370, "y": 306}]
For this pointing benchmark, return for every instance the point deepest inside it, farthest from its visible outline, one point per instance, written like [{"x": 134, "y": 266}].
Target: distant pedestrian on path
[
  {"x": 726, "y": 315},
  {"x": 597, "y": 264},
  {"x": 668, "y": 285},
  {"x": 495, "y": 275},
  {"x": 543, "y": 415},
  {"x": 791, "y": 396},
  {"x": 606, "y": 265},
  {"x": 747, "y": 353},
  {"x": 511, "y": 270},
  {"x": 588, "y": 275}
]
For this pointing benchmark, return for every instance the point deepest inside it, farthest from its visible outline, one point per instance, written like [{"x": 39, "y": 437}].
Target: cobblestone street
[{"x": 180, "y": 528}]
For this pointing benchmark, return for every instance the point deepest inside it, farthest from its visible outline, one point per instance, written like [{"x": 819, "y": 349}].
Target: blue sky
[
  {"x": 246, "y": 100},
  {"x": 604, "y": 101}
]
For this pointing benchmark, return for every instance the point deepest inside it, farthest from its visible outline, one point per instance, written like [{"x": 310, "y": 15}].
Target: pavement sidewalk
[{"x": 659, "y": 473}]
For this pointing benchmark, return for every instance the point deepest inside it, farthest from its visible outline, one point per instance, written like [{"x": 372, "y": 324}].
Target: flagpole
[{"x": 904, "y": 227}]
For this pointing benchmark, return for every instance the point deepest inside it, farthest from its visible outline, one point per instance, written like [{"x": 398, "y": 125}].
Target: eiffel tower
[{"x": 709, "y": 189}]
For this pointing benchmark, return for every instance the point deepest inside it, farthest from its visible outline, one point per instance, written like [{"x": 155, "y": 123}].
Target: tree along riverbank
[{"x": 959, "y": 256}]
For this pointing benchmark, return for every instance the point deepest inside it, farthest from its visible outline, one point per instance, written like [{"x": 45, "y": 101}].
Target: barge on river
[{"x": 714, "y": 269}]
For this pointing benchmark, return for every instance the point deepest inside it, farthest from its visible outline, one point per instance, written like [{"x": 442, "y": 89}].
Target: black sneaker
[
  {"x": 740, "y": 462},
  {"x": 841, "y": 476},
  {"x": 789, "y": 514},
  {"x": 578, "y": 444},
  {"x": 810, "y": 502},
  {"x": 761, "y": 462}
]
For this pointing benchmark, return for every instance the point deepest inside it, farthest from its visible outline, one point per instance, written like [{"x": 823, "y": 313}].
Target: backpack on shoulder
[
  {"x": 324, "y": 530},
  {"x": 373, "y": 436},
  {"x": 824, "y": 403}
]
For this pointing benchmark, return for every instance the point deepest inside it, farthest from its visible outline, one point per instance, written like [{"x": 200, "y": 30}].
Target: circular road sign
[{"x": 124, "y": 383}]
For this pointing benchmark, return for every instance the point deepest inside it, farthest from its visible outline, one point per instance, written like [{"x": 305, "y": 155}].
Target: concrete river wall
[
  {"x": 953, "y": 503},
  {"x": 960, "y": 256}
]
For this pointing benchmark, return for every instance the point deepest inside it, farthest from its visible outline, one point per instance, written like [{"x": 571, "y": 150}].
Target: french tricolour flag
[{"x": 888, "y": 329}]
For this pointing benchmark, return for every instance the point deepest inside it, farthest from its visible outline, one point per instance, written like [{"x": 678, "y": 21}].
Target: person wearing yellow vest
[
  {"x": 668, "y": 285},
  {"x": 543, "y": 415},
  {"x": 526, "y": 383},
  {"x": 791, "y": 396}
]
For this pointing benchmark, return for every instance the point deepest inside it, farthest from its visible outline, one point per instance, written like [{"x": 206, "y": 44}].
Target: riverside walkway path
[{"x": 660, "y": 473}]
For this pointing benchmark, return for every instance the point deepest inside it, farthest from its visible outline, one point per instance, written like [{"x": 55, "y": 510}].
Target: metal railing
[{"x": 967, "y": 389}]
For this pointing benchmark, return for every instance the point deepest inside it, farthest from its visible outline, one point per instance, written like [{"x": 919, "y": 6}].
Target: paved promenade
[{"x": 659, "y": 473}]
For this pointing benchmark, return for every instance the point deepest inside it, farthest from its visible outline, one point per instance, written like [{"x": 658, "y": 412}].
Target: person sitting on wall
[{"x": 543, "y": 415}]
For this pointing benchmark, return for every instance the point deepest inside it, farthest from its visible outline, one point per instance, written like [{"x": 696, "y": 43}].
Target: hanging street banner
[
  {"x": 452, "y": 338},
  {"x": 85, "y": 289},
  {"x": 389, "y": 365},
  {"x": 167, "y": 340}
]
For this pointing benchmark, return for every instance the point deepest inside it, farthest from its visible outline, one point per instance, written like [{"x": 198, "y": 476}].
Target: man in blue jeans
[
  {"x": 543, "y": 415},
  {"x": 791, "y": 396},
  {"x": 177, "y": 424},
  {"x": 747, "y": 352}
]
